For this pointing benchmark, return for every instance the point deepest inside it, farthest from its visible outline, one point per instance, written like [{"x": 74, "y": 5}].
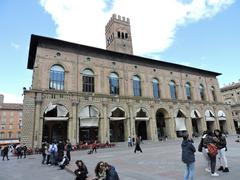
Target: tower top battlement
[{"x": 117, "y": 18}]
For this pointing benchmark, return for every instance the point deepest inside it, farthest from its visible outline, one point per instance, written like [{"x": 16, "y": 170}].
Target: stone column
[
  {"x": 153, "y": 124},
  {"x": 70, "y": 124},
  {"x": 188, "y": 121},
  {"x": 229, "y": 121},
  {"x": 216, "y": 124},
  {"x": 131, "y": 121},
  {"x": 37, "y": 128},
  {"x": 104, "y": 127},
  {"x": 170, "y": 126},
  {"x": 74, "y": 125}
]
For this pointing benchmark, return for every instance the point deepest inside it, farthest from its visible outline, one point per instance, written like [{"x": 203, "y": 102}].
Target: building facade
[
  {"x": 85, "y": 93},
  {"x": 10, "y": 122},
  {"x": 231, "y": 96}
]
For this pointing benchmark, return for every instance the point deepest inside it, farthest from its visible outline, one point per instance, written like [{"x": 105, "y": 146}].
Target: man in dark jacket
[
  {"x": 69, "y": 149},
  {"x": 5, "y": 152},
  {"x": 111, "y": 173},
  {"x": 188, "y": 157}
]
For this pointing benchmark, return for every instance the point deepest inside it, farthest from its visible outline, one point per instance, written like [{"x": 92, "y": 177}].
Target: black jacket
[
  {"x": 81, "y": 173},
  {"x": 188, "y": 151},
  {"x": 111, "y": 174}
]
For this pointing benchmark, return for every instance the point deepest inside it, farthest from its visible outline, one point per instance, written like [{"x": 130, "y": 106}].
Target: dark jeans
[
  {"x": 69, "y": 155},
  {"x": 213, "y": 163},
  {"x": 5, "y": 155},
  {"x": 43, "y": 158},
  {"x": 137, "y": 148}
]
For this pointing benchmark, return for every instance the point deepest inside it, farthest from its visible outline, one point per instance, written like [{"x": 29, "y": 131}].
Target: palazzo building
[
  {"x": 85, "y": 93},
  {"x": 10, "y": 122},
  {"x": 231, "y": 96}
]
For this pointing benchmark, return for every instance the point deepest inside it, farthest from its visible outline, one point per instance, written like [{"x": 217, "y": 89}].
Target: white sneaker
[
  {"x": 215, "y": 174},
  {"x": 207, "y": 170}
]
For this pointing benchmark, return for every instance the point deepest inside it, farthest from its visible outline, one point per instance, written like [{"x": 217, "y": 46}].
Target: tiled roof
[
  {"x": 230, "y": 87},
  {"x": 11, "y": 106}
]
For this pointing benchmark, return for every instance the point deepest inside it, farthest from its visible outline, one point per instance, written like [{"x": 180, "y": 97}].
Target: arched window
[
  {"x": 9, "y": 134},
  {"x": 88, "y": 80},
  {"x": 119, "y": 34},
  {"x": 213, "y": 94},
  {"x": 114, "y": 83},
  {"x": 126, "y": 35},
  {"x": 202, "y": 92},
  {"x": 56, "y": 80},
  {"x": 173, "y": 92},
  {"x": 188, "y": 91},
  {"x": 2, "y": 135},
  {"x": 136, "y": 86},
  {"x": 155, "y": 85},
  {"x": 122, "y": 35}
]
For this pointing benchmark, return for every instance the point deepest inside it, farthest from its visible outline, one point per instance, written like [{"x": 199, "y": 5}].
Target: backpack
[
  {"x": 212, "y": 149},
  {"x": 52, "y": 149}
]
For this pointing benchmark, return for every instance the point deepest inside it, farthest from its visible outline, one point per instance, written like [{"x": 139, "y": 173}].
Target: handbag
[{"x": 200, "y": 146}]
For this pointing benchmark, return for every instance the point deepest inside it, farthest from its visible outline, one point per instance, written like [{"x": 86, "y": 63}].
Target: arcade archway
[
  {"x": 55, "y": 124},
  {"x": 210, "y": 120},
  {"x": 222, "y": 121},
  {"x": 89, "y": 121},
  {"x": 141, "y": 123},
  {"x": 117, "y": 124},
  {"x": 196, "y": 123},
  {"x": 161, "y": 124},
  {"x": 180, "y": 119}
]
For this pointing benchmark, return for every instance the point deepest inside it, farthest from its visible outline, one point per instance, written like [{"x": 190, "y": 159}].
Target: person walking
[
  {"x": 188, "y": 157},
  {"x": 94, "y": 146},
  {"x": 60, "y": 147},
  {"x": 137, "y": 147},
  {"x": 19, "y": 151},
  {"x": 44, "y": 152},
  {"x": 203, "y": 148},
  {"x": 222, "y": 148},
  {"x": 24, "y": 149},
  {"x": 5, "y": 152},
  {"x": 211, "y": 143},
  {"x": 129, "y": 141},
  {"x": 53, "y": 153},
  {"x": 69, "y": 149}
]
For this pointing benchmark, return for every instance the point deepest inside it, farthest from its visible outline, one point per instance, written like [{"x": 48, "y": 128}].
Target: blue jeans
[{"x": 189, "y": 172}]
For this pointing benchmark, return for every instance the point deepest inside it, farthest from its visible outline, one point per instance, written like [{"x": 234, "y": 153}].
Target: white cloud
[
  {"x": 15, "y": 45},
  {"x": 153, "y": 22},
  {"x": 12, "y": 98}
]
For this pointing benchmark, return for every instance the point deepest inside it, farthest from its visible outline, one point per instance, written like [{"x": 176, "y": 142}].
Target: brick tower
[{"x": 118, "y": 35}]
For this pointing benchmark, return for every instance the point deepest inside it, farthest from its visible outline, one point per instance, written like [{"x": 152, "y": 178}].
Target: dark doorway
[
  {"x": 210, "y": 125},
  {"x": 55, "y": 131},
  {"x": 160, "y": 125},
  {"x": 88, "y": 134},
  {"x": 223, "y": 127},
  {"x": 141, "y": 129},
  {"x": 195, "y": 127},
  {"x": 116, "y": 130}
]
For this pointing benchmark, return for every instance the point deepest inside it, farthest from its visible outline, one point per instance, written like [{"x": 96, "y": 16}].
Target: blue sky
[{"x": 202, "y": 35}]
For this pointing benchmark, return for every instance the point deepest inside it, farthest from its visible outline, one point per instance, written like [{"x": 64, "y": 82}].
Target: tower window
[
  {"x": 119, "y": 34},
  {"x": 122, "y": 35},
  {"x": 126, "y": 35}
]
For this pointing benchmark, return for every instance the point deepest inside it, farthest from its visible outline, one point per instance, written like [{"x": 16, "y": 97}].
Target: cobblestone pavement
[{"x": 159, "y": 161}]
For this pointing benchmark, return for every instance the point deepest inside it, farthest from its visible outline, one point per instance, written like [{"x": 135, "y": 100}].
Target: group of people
[
  {"x": 131, "y": 142},
  {"x": 19, "y": 150},
  {"x": 213, "y": 145},
  {"x": 103, "y": 171},
  {"x": 53, "y": 154}
]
